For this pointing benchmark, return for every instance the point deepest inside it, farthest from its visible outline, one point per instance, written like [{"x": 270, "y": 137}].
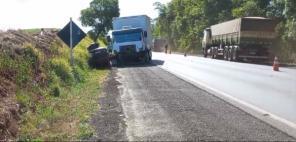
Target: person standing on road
[{"x": 166, "y": 48}]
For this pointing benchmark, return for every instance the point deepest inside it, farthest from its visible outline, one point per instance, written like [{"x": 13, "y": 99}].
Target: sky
[{"x": 26, "y": 14}]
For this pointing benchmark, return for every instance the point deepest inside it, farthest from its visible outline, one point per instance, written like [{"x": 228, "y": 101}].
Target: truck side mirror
[
  {"x": 108, "y": 39},
  {"x": 145, "y": 34}
]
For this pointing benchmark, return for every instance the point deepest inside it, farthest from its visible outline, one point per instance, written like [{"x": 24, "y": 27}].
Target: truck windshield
[{"x": 127, "y": 37}]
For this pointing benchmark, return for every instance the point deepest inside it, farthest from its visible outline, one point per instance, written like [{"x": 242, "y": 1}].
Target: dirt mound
[
  {"x": 11, "y": 44},
  {"x": 13, "y": 40}
]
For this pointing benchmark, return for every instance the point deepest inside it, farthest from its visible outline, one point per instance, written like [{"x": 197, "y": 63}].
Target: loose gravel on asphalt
[{"x": 148, "y": 103}]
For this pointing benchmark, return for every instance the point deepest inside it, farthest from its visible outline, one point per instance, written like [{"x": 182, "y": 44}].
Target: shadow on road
[{"x": 132, "y": 64}]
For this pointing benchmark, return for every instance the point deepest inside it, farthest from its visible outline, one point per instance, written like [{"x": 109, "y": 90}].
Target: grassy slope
[
  {"x": 65, "y": 117},
  {"x": 57, "y": 106}
]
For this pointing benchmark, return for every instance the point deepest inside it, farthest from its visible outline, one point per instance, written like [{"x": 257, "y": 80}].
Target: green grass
[
  {"x": 57, "y": 99},
  {"x": 65, "y": 117},
  {"x": 32, "y": 31}
]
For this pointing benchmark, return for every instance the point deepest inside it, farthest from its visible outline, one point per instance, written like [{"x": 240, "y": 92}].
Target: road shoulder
[{"x": 109, "y": 120}]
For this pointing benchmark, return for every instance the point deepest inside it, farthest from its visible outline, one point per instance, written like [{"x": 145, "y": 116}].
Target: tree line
[{"x": 182, "y": 22}]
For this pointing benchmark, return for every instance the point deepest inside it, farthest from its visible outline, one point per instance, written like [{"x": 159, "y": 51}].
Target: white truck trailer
[
  {"x": 131, "y": 38},
  {"x": 248, "y": 38}
]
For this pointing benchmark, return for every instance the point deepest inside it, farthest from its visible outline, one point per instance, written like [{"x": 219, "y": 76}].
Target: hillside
[{"x": 37, "y": 85}]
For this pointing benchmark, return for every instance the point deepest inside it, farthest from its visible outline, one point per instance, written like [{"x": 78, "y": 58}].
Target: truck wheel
[
  {"x": 118, "y": 63},
  {"x": 215, "y": 52},
  {"x": 119, "y": 60},
  {"x": 147, "y": 57},
  {"x": 212, "y": 52},
  {"x": 230, "y": 54},
  {"x": 205, "y": 53},
  {"x": 235, "y": 56},
  {"x": 225, "y": 54},
  {"x": 150, "y": 56}
]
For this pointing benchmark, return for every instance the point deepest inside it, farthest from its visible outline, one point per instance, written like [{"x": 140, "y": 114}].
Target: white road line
[{"x": 276, "y": 121}]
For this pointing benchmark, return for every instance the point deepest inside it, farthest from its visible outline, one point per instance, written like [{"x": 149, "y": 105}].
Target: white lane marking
[{"x": 292, "y": 126}]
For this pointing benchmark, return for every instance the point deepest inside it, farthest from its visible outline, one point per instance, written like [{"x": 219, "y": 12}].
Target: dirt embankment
[{"x": 11, "y": 46}]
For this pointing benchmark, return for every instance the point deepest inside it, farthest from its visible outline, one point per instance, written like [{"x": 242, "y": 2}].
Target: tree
[
  {"x": 159, "y": 29},
  {"x": 250, "y": 8},
  {"x": 290, "y": 14},
  {"x": 182, "y": 22},
  {"x": 276, "y": 9},
  {"x": 217, "y": 11},
  {"x": 99, "y": 17}
]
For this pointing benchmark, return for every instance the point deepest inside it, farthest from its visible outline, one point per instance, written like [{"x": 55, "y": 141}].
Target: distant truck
[
  {"x": 247, "y": 38},
  {"x": 131, "y": 38}
]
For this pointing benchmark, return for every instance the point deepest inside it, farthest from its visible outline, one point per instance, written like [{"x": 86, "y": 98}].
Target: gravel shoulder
[{"x": 109, "y": 121}]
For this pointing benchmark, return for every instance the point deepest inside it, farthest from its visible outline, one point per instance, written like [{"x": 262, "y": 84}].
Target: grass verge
[
  {"x": 55, "y": 99},
  {"x": 65, "y": 117}
]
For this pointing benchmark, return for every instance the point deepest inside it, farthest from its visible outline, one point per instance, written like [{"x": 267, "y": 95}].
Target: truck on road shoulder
[
  {"x": 131, "y": 38},
  {"x": 247, "y": 38}
]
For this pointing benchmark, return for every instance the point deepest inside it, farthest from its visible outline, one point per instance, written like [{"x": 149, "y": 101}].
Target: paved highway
[
  {"x": 149, "y": 103},
  {"x": 256, "y": 86}
]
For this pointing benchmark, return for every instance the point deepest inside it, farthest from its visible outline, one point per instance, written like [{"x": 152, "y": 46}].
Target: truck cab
[
  {"x": 128, "y": 44},
  {"x": 131, "y": 38}
]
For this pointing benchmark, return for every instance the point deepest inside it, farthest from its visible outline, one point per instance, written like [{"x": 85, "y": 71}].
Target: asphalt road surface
[
  {"x": 151, "y": 104},
  {"x": 257, "y": 85}
]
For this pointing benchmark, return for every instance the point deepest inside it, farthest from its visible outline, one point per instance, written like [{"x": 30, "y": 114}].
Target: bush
[
  {"x": 53, "y": 79},
  {"x": 81, "y": 63},
  {"x": 18, "y": 69},
  {"x": 285, "y": 50},
  {"x": 79, "y": 74},
  {"x": 23, "y": 73},
  {"x": 63, "y": 70},
  {"x": 81, "y": 55},
  {"x": 27, "y": 65},
  {"x": 56, "y": 91},
  {"x": 32, "y": 55}
]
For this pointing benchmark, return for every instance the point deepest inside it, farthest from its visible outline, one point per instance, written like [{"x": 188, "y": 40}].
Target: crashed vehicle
[{"x": 99, "y": 56}]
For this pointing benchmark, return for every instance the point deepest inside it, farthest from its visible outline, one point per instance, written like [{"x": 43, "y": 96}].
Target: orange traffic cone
[{"x": 276, "y": 64}]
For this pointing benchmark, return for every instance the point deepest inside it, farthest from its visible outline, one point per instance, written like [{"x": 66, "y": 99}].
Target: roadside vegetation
[
  {"x": 99, "y": 17},
  {"x": 43, "y": 97},
  {"x": 182, "y": 22}
]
